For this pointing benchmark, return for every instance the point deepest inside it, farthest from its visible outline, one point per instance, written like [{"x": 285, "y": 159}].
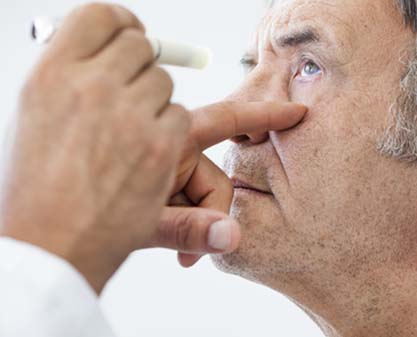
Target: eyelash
[
  {"x": 250, "y": 63},
  {"x": 299, "y": 66}
]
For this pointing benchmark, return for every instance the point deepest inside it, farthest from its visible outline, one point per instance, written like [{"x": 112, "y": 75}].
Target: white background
[{"x": 151, "y": 295}]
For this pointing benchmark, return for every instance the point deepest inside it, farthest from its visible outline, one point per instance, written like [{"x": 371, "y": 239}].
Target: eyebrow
[
  {"x": 306, "y": 35},
  {"x": 294, "y": 39}
]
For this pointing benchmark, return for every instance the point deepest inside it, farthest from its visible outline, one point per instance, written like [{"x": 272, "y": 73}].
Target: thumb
[{"x": 196, "y": 230}]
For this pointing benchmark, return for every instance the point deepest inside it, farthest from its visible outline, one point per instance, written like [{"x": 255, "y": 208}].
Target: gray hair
[{"x": 399, "y": 139}]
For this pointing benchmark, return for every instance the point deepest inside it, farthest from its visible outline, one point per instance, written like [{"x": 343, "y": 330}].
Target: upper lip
[{"x": 238, "y": 183}]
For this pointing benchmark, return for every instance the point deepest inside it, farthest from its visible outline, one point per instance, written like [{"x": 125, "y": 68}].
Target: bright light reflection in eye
[{"x": 310, "y": 69}]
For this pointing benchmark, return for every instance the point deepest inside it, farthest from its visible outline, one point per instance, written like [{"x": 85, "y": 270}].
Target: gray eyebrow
[{"x": 294, "y": 39}]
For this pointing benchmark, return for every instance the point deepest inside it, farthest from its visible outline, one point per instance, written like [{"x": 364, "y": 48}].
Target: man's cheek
[
  {"x": 305, "y": 152},
  {"x": 309, "y": 93},
  {"x": 306, "y": 138}
]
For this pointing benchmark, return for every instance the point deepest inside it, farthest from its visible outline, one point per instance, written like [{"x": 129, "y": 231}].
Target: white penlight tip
[{"x": 202, "y": 58}]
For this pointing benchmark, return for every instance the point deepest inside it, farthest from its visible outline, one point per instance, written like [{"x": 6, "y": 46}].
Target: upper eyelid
[
  {"x": 308, "y": 57},
  {"x": 251, "y": 59},
  {"x": 248, "y": 61},
  {"x": 248, "y": 64}
]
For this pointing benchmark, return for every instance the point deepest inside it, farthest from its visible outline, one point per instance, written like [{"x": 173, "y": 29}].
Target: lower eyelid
[{"x": 308, "y": 79}]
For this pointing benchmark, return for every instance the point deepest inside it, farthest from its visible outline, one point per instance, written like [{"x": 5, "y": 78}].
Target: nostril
[
  {"x": 253, "y": 138},
  {"x": 257, "y": 138},
  {"x": 240, "y": 139}
]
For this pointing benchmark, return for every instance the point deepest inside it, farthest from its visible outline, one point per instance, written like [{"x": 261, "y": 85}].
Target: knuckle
[
  {"x": 132, "y": 36},
  {"x": 108, "y": 15},
  {"x": 105, "y": 14},
  {"x": 183, "y": 235},
  {"x": 130, "y": 18},
  {"x": 190, "y": 232},
  {"x": 144, "y": 47},
  {"x": 183, "y": 118},
  {"x": 162, "y": 80},
  {"x": 134, "y": 41}
]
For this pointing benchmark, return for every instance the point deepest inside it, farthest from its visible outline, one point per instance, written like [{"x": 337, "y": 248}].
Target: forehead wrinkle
[
  {"x": 263, "y": 31},
  {"x": 295, "y": 16},
  {"x": 289, "y": 8}
]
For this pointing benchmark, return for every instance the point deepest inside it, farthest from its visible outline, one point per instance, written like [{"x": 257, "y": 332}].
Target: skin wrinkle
[
  {"x": 339, "y": 239},
  {"x": 344, "y": 26},
  {"x": 287, "y": 180}
]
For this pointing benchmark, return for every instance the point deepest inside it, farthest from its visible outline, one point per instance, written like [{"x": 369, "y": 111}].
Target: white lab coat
[{"x": 42, "y": 295}]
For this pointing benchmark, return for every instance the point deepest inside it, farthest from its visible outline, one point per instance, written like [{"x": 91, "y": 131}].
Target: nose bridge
[{"x": 260, "y": 85}]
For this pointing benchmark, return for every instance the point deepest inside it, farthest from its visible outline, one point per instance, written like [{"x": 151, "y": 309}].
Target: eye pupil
[{"x": 310, "y": 68}]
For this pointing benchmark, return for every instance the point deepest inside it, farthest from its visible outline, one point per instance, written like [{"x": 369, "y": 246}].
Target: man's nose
[{"x": 258, "y": 86}]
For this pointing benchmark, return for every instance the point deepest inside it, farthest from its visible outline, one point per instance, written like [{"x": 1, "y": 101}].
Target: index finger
[
  {"x": 90, "y": 27},
  {"x": 218, "y": 122}
]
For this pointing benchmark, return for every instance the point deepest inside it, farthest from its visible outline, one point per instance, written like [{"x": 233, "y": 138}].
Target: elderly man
[{"x": 328, "y": 209}]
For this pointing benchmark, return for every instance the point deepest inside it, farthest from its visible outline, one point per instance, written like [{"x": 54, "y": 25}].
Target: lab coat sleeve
[{"x": 42, "y": 295}]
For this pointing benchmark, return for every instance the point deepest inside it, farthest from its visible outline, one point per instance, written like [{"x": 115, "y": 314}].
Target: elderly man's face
[{"x": 332, "y": 203}]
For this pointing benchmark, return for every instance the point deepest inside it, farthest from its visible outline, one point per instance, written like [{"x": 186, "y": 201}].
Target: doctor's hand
[
  {"x": 196, "y": 222},
  {"x": 96, "y": 146}
]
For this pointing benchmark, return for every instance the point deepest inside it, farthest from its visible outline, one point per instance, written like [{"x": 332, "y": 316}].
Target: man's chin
[
  {"x": 248, "y": 260},
  {"x": 265, "y": 251},
  {"x": 229, "y": 263},
  {"x": 235, "y": 264}
]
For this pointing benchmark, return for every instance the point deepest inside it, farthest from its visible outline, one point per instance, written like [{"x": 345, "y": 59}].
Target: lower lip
[{"x": 252, "y": 192}]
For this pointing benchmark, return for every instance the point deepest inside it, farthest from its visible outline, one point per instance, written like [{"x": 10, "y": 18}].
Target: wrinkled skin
[{"x": 336, "y": 230}]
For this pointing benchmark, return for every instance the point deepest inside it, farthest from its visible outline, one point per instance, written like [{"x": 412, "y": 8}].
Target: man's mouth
[{"x": 240, "y": 185}]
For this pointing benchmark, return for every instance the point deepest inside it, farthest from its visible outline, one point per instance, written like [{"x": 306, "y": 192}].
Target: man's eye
[
  {"x": 248, "y": 63},
  {"x": 310, "y": 69}
]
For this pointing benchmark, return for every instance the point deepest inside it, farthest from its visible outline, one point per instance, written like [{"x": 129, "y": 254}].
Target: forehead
[
  {"x": 344, "y": 21},
  {"x": 356, "y": 10}
]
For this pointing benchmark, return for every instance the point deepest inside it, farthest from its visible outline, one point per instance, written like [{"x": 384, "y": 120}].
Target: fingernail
[{"x": 220, "y": 235}]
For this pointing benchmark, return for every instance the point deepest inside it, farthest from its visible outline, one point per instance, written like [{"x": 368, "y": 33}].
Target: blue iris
[{"x": 310, "y": 69}]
